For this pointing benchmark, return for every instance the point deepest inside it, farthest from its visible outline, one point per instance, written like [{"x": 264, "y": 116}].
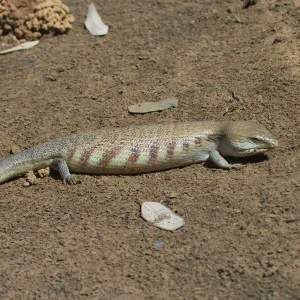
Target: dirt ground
[{"x": 88, "y": 241}]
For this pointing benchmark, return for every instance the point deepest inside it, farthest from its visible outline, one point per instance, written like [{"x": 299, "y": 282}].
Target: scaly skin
[{"x": 141, "y": 149}]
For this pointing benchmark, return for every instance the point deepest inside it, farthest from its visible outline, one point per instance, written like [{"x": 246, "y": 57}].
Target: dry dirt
[{"x": 241, "y": 239}]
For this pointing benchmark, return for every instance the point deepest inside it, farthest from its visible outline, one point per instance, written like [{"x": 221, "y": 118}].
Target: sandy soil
[{"x": 241, "y": 239}]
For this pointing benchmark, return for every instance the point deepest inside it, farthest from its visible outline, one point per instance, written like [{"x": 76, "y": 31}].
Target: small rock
[
  {"x": 26, "y": 184},
  {"x": 50, "y": 78},
  {"x": 248, "y": 3},
  {"x": 158, "y": 243},
  {"x": 173, "y": 195},
  {"x": 14, "y": 149},
  {"x": 60, "y": 69},
  {"x": 44, "y": 172},
  {"x": 30, "y": 178}
]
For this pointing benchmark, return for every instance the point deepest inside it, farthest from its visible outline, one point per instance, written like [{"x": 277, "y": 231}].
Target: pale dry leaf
[
  {"x": 146, "y": 107},
  {"x": 94, "y": 23},
  {"x": 161, "y": 216},
  {"x": 23, "y": 46}
]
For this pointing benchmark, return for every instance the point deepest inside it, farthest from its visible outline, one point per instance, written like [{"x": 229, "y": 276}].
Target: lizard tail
[{"x": 23, "y": 162}]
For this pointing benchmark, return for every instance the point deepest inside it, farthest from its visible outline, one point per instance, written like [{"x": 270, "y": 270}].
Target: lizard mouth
[
  {"x": 252, "y": 151},
  {"x": 259, "y": 148}
]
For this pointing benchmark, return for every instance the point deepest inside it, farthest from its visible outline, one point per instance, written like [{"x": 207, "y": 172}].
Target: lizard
[{"x": 139, "y": 149}]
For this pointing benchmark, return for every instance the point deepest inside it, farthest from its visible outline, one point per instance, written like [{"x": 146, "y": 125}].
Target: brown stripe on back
[
  {"x": 87, "y": 153},
  {"x": 108, "y": 155},
  {"x": 71, "y": 155},
  {"x": 135, "y": 152},
  {"x": 170, "y": 148},
  {"x": 186, "y": 145},
  {"x": 198, "y": 140},
  {"x": 153, "y": 152}
]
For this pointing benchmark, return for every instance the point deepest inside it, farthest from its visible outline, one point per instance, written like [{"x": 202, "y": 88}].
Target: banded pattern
[{"x": 141, "y": 149}]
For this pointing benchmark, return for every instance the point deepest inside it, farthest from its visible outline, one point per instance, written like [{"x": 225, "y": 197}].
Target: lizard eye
[{"x": 255, "y": 140}]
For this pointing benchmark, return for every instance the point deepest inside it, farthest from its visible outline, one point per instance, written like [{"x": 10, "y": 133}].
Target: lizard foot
[{"x": 69, "y": 180}]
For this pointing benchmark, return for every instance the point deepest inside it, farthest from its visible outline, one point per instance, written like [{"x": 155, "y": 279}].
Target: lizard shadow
[
  {"x": 240, "y": 160},
  {"x": 209, "y": 164}
]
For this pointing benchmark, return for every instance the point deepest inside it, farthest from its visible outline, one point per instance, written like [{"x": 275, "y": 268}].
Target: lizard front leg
[{"x": 220, "y": 161}]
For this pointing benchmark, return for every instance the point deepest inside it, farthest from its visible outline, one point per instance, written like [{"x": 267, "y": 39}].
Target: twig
[{"x": 236, "y": 97}]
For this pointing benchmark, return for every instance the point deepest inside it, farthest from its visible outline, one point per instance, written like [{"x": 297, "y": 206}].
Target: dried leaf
[
  {"x": 94, "y": 23},
  {"x": 145, "y": 107},
  {"x": 161, "y": 216},
  {"x": 23, "y": 46}
]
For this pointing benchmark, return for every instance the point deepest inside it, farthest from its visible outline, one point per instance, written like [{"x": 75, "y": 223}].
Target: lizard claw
[{"x": 70, "y": 180}]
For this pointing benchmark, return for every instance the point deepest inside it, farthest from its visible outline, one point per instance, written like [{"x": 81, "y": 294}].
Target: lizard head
[{"x": 245, "y": 139}]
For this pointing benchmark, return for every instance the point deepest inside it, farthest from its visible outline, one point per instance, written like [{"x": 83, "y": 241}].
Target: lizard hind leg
[{"x": 61, "y": 166}]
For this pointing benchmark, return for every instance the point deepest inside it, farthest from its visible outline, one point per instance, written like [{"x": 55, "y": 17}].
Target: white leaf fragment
[
  {"x": 23, "y": 46},
  {"x": 94, "y": 23},
  {"x": 145, "y": 107},
  {"x": 160, "y": 216}
]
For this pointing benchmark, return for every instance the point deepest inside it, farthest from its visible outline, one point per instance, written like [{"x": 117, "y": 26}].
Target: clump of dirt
[{"x": 29, "y": 20}]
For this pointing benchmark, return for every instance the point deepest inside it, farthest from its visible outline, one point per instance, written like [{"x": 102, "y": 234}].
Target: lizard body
[{"x": 142, "y": 148}]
